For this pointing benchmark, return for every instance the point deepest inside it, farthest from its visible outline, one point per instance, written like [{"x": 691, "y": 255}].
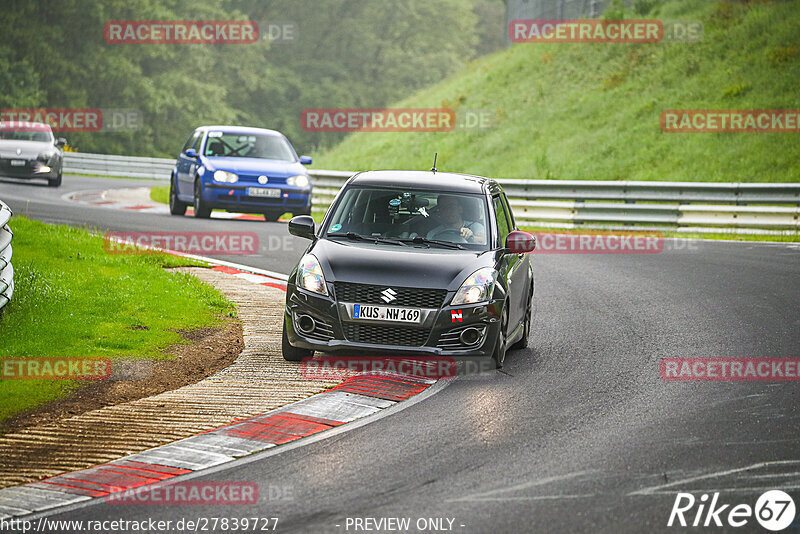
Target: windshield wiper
[
  {"x": 419, "y": 240},
  {"x": 375, "y": 239}
]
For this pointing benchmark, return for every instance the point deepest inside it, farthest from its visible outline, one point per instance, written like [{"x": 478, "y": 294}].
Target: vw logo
[
  {"x": 263, "y": 179},
  {"x": 388, "y": 295}
]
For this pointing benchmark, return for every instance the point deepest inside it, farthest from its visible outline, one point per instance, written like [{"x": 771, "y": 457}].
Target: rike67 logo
[{"x": 774, "y": 510}]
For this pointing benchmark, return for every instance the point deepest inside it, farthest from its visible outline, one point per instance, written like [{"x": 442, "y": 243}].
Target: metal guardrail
[
  {"x": 685, "y": 206},
  {"x": 6, "y": 269},
  {"x": 119, "y": 166}
]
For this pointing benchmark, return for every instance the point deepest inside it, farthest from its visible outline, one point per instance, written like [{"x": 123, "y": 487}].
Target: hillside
[{"x": 591, "y": 111}]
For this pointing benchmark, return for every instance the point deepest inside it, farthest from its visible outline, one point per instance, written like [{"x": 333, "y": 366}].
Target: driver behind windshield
[{"x": 450, "y": 213}]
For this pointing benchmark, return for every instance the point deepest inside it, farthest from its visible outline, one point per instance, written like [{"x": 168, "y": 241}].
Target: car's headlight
[
  {"x": 309, "y": 275},
  {"x": 225, "y": 177},
  {"x": 301, "y": 180},
  {"x": 477, "y": 287}
]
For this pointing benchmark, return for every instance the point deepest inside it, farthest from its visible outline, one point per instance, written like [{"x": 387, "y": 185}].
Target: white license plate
[
  {"x": 368, "y": 312},
  {"x": 18, "y": 162},
  {"x": 270, "y": 192}
]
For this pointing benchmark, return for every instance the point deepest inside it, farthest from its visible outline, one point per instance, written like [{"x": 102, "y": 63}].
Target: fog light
[
  {"x": 306, "y": 324},
  {"x": 470, "y": 336}
]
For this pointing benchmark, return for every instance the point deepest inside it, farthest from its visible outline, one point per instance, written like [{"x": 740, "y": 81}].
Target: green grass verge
[
  {"x": 71, "y": 298},
  {"x": 160, "y": 193},
  {"x": 591, "y": 111}
]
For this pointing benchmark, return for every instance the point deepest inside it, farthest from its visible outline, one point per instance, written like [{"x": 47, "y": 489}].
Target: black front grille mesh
[
  {"x": 405, "y": 296},
  {"x": 385, "y": 335}
]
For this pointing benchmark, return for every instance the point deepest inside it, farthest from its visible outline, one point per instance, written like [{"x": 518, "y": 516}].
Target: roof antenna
[{"x": 433, "y": 169}]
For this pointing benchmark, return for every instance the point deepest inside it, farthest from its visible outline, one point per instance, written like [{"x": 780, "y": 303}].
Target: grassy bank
[
  {"x": 591, "y": 111},
  {"x": 72, "y": 299}
]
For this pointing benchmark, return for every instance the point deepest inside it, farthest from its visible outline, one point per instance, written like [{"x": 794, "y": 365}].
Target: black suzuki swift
[{"x": 409, "y": 262}]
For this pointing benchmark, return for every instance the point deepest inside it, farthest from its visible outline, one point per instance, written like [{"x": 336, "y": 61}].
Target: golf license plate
[
  {"x": 386, "y": 313},
  {"x": 269, "y": 192}
]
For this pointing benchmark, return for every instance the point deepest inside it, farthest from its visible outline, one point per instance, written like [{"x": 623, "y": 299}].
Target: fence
[
  {"x": 6, "y": 270},
  {"x": 681, "y": 206}
]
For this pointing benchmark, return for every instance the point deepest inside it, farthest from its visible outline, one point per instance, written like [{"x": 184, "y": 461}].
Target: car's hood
[
  {"x": 269, "y": 167},
  {"x": 28, "y": 149},
  {"x": 367, "y": 263}
]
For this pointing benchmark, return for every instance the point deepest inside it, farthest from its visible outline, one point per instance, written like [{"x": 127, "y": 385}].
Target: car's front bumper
[
  {"x": 235, "y": 197},
  {"x": 437, "y": 335},
  {"x": 31, "y": 169}
]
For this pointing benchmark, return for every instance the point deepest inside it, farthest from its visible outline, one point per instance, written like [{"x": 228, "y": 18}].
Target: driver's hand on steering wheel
[{"x": 466, "y": 233}]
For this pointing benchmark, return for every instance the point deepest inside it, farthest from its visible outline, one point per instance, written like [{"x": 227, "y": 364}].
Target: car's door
[
  {"x": 186, "y": 165},
  {"x": 512, "y": 266}
]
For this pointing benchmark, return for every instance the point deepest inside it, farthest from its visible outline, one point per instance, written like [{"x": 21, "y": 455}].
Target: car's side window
[
  {"x": 512, "y": 224},
  {"x": 197, "y": 141},
  {"x": 503, "y": 225},
  {"x": 188, "y": 142}
]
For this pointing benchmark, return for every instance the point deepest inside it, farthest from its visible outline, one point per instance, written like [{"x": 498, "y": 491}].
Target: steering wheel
[{"x": 452, "y": 235}]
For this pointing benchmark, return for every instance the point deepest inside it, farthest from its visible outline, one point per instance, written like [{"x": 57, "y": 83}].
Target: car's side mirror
[
  {"x": 61, "y": 142},
  {"x": 191, "y": 153},
  {"x": 519, "y": 242},
  {"x": 302, "y": 226},
  {"x": 305, "y": 160}
]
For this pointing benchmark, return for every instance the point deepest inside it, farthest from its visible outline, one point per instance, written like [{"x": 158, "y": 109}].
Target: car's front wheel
[
  {"x": 499, "y": 355},
  {"x": 201, "y": 210},
  {"x": 176, "y": 207},
  {"x": 55, "y": 182},
  {"x": 290, "y": 353}
]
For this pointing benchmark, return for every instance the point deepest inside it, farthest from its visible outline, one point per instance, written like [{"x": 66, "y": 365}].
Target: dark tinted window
[{"x": 503, "y": 225}]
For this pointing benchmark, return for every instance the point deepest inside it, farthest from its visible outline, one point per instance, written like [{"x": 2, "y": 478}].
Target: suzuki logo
[
  {"x": 263, "y": 179},
  {"x": 456, "y": 316},
  {"x": 388, "y": 295}
]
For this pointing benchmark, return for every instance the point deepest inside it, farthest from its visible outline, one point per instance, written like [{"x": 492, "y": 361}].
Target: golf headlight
[
  {"x": 477, "y": 287},
  {"x": 310, "y": 277},
  {"x": 225, "y": 177},
  {"x": 301, "y": 180}
]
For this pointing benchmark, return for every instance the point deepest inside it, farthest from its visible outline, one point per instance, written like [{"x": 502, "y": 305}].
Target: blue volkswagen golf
[{"x": 240, "y": 169}]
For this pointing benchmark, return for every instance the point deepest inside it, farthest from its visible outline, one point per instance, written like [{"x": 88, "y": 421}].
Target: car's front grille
[
  {"x": 404, "y": 296},
  {"x": 386, "y": 335},
  {"x": 323, "y": 331},
  {"x": 253, "y": 179}
]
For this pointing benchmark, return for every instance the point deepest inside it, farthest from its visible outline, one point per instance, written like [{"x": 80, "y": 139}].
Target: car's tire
[
  {"x": 201, "y": 210},
  {"x": 499, "y": 354},
  {"x": 272, "y": 216},
  {"x": 290, "y": 353},
  {"x": 55, "y": 182},
  {"x": 176, "y": 207},
  {"x": 526, "y": 331}
]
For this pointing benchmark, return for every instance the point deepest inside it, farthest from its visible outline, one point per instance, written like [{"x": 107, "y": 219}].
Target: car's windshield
[
  {"x": 25, "y": 134},
  {"x": 241, "y": 145},
  {"x": 421, "y": 217}
]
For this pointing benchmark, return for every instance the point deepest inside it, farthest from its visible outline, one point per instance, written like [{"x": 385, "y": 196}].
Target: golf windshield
[
  {"x": 421, "y": 217},
  {"x": 236, "y": 145}
]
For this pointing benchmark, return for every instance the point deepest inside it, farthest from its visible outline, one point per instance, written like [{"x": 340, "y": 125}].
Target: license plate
[
  {"x": 270, "y": 192},
  {"x": 386, "y": 313},
  {"x": 18, "y": 162}
]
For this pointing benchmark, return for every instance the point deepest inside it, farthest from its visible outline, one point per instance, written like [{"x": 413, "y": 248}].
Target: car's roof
[
  {"x": 22, "y": 125},
  {"x": 240, "y": 129},
  {"x": 424, "y": 180}
]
